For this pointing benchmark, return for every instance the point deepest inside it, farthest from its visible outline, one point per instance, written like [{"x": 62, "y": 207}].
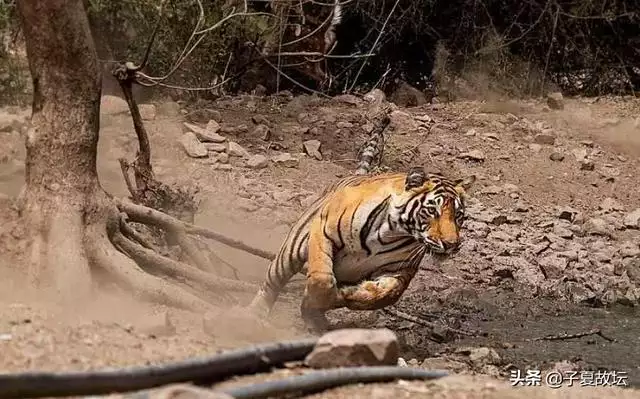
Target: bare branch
[{"x": 373, "y": 47}]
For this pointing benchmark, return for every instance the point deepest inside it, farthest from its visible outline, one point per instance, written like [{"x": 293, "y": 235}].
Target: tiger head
[{"x": 432, "y": 209}]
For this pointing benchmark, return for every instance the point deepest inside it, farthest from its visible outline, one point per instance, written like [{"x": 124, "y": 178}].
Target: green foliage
[
  {"x": 14, "y": 77},
  {"x": 122, "y": 29}
]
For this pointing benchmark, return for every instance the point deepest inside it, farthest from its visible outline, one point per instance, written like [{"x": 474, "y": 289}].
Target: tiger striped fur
[{"x": 361, "y": 242}]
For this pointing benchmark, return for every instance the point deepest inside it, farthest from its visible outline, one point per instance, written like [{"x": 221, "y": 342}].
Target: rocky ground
[{"x": 552, "y": 243}]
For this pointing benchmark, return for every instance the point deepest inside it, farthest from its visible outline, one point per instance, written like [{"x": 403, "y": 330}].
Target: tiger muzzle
[{"x": 450, "y": 247}]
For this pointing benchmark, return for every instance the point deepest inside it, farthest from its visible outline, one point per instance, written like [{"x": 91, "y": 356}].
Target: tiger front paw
[{"x": 321, "y": 290}]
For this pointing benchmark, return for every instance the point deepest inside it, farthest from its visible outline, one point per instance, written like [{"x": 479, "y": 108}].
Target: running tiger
[{"x": 362, "y": 241}]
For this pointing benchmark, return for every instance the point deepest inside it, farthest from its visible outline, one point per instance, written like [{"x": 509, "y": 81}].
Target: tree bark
[{"x": 62, "y": 188}]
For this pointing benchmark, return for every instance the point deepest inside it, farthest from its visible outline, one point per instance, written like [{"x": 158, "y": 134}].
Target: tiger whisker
[{"x": 414, "y": 254}]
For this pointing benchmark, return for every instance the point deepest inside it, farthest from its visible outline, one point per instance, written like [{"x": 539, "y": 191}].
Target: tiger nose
[{"x": 451, "y": 246}]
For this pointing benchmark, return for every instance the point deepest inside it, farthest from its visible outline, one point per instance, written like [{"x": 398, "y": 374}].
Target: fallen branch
[
  {"x": 402, "y": 315},
  {"x": 564, "y": 336}
]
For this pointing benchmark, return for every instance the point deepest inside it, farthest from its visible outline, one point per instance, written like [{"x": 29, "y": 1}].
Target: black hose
[
  {"x": 204, "y": 370},
  {"x": 320, "y": 380}
]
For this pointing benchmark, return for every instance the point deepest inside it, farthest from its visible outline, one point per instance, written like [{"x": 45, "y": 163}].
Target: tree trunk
[
  {"x": 71, "y": 221},
  {"x": 62, "y": 188}
]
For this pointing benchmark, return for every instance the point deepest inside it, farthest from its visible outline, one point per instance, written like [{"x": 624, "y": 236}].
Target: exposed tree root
[
  {"x": 154, "y": 263},
  {"x": 127, "y": 273},
  {"x": 142, "y": 214}
]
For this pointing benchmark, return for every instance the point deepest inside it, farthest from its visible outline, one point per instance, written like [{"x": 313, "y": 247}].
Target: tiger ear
[
  {"x": 415, "y": 178},
  {"x": 464, "y": 184}
]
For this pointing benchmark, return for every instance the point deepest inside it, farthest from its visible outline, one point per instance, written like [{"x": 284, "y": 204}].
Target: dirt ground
[{"x": 551, "y": 246}]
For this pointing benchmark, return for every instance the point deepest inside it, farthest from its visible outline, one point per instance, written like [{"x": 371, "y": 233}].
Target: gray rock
[
  {"x": 216, "y": 147},
  {"x": 147, "y": 112},
  {"x": 597, "y": 226},
  {"x": 408, "y": 96},
  {"x": 402, "y": 122},
  {"x": 510, "y": 188},
  {"x": 604, "y": 256},
  {"x": 544, "y": 139},
  {"x": 629, "y": 250},
  {"x": 535, "y": 147},
  {"x": 562, "y": 232},
  {"x": 632, "y": 219},
  {"x": 553, "y": 266},
  {"x": 587, "y": 165},
  {"x": 247, "y": 205},
  {"x": 527, "y": 273},
  {"x": 222, "y": 157},
  {"x": 375, "y": 96},
  {"x": 260, "y": 120},
  {"x": 630, "y": 298},
  {"x": 521, "y": 207},
  {"x": 633, "y": 270},
  {"x": 578, "y": 293},
  {"x": 473, "y": 155},
  {"x": 192, "y": 146},
  {"x": 257, "y": 161},
  {"x": 262, "y": 131},
  {"x": 223, "y": 166},
  {"x": 355, "y": 347},
  {"x": 569, "y": 255},
  {"x": 555, "y": 100},
  {"x": 204, "y": 135},
  {"x": 204, "y": 115},
  {"x": 556, "y": 156},
  {"x": 579, "y": 153},
  {"x": 285, "y": 159},
  {"x": 610, "y": 205},
  {"x": 483, "y": 356},
  {"x": 236, "y": 150},
  {"x": 312, "y": 148},
  {"x": 567, "y": 213},
  {"x": 259, "y": 90},
  {"x": 491, "y": 190},
  {"x": 213, "y": 126}
]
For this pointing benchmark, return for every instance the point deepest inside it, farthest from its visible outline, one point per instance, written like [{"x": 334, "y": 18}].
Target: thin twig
[
  {"x": 373, "y": 47},
  {"x": 564, "y": 336},
  {"x": 292, "y": 80},
  {"x": 402, "y": 315}
]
